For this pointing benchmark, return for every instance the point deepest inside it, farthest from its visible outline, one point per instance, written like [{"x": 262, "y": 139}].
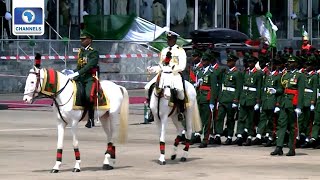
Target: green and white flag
[{"x": 267, "y": 29}]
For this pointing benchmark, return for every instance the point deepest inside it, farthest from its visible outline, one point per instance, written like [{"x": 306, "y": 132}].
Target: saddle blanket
[{"x": 79, "y": 103}]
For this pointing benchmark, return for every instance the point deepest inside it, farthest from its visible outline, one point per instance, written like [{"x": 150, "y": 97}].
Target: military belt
[
  {"x": 308, "y": 90},
  {"x": 228, "y": 89},
  {"x": 249, "y": 88}
]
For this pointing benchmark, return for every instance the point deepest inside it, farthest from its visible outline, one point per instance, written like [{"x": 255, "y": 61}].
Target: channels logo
[{"x": 28, "y": 21}]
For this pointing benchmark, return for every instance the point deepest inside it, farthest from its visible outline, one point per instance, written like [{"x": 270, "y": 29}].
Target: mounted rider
[
  {"x": 86, "y": 71},
  {"x": 175, "y": 57}
]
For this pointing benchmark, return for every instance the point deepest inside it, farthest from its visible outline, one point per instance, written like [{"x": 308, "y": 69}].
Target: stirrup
[{"x": 180, "y": 117}]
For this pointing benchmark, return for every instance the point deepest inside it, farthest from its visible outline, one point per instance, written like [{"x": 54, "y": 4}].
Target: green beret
[
  {"x": 206, "y": 56},
  {"x": 253, "y": 59},
  {"x": 232, "y": 57},
  {"x": 311, "y": 60},
  {"x": 292, "y": 59},
  {"x": 85, "y": 34},
  {"x": 196, "y": 52}
]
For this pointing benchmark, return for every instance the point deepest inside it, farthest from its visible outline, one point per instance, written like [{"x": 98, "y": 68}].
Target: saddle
[
  {"x": 174, "y": 101},
  {"x": 80, "y": 102}
]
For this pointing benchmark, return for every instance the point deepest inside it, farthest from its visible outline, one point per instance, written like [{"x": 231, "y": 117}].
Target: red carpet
[{"x": 48, "y": 102}]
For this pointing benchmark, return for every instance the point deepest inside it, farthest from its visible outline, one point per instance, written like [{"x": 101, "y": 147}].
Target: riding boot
[
  {"x": 149, "y": 92},
  {"x": 181, "y": 110},
  {"x": 90, "y": 122},
  {"x": 150, "y": 115}
]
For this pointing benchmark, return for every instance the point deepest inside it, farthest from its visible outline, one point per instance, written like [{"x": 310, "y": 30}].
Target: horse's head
[
  {"x": 32, "y": 87},
  {"x": 166, "y": 81}
]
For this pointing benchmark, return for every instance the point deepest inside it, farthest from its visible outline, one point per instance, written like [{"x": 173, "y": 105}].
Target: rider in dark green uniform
[{"x": 87, "y": 67}]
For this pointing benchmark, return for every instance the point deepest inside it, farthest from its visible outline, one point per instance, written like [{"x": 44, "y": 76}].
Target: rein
[{"x": 53, "y": 97}]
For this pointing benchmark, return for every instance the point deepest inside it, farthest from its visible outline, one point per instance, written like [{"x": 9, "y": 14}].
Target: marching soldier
[
  {"x": 293, "y": 84},
  {"x": 206, "y": 96},
  {"x": 86, "y": 72},
  {"x": 249, "y": 102},
  {"x": 271, "y": 89},
  {"x": 228, "y": 99},
  {"x": 195, "y": 66},
  {"x": 316, "y": 124},
  {"x": 310, "y": 95}
]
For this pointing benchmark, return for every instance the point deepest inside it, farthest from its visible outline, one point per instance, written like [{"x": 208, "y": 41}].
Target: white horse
[
  {"x": 63, "y": 108},
  {"x": 159, "y": 105}
]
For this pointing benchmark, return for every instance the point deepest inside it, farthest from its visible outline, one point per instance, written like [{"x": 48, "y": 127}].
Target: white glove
[
  {"x": 272, "y": 90},
  {"x": 211, "y": 107},
  {"x": 276, "y": 110},
  {"x": 71, "y": 76},
  {"x": 298, "y": 111},
  {"x": 153, "y": 69},
  {"x": 256, "y": 107},
  {"x": 234, "y": 105},
  {"x": 200, "y": 81},
  {"x": 195, "y": 84},
  {"x": 312, "y": 107},
  {"x": 67, "y": 71}
]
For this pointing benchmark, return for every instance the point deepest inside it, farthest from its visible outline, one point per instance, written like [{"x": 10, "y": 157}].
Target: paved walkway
[{"x": 28, "y": 149}]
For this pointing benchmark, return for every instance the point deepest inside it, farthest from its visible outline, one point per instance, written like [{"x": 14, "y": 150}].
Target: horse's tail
[
  {"x": 196, "y": 121},
  {"x": 124, "y": 114}
]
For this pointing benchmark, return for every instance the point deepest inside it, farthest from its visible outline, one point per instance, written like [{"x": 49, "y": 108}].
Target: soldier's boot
[
  {"x": 257, "y": 140},
  {"x": 277, "y": 151},
  {"x": 291, "y": 152},
  {"x": 196, "y": 139},
  {"x": 228, "y": 141},
  {"x": 203, "y": 144},
  {"x": 269, "y": 143},
  {"x": 238, "y": 141},
  {"x": 90, "y": 122},
  {"x": 248, "y": 142},
  {"x": 217, "y": 140},
  {"x": 211, "y": 139}
]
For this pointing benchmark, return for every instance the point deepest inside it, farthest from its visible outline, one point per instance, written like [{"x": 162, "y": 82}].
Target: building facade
[{"x": 183, "y": 16}]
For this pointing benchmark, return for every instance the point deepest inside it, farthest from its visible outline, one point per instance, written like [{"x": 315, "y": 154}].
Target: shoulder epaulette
[{"x": 90, "y": 48}]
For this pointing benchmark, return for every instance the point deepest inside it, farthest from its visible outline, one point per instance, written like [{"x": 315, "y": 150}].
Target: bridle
[
  {"x": 42, "y": 95},
  {"x": 36, "y": 88}
]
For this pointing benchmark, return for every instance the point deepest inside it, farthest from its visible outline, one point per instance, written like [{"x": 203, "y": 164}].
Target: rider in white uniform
[{"x": 175, "y": 57}]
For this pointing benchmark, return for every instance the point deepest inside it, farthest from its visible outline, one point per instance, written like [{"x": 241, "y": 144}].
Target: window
[
  {"x": 300, "y": 9},
  {"x": 279, "y": 11},
  {"x": 182, "y": 17},
  {"x": 315, "y": 19}
]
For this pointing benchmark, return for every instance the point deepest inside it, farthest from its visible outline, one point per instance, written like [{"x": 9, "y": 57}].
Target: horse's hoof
[
  {"x": 76, "y": 170},
  {"x": 54, "y": 171},
  {"x": 173, "y": 157},
  {"x": 162, "y": 162},
  {"x": 107, "y": 167},
  {"x": 183, "y": 159}
]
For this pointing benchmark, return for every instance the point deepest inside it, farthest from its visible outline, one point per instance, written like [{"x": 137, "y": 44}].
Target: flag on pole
[{"x": 267, "y": 29}]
